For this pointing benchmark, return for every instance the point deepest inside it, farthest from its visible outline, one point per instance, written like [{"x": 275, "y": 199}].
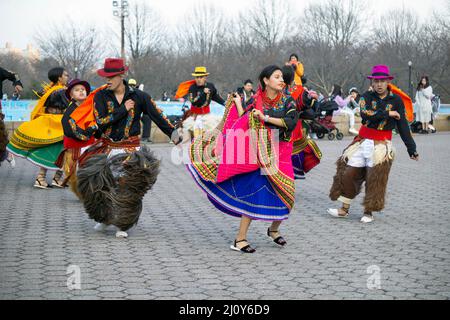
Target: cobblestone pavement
[{"x": 180, "y": 249}]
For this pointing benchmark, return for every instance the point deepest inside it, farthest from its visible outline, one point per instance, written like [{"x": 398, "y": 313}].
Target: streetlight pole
[
  {"x": 410, "y": 87},
  {"x": 121, "y": 11}
]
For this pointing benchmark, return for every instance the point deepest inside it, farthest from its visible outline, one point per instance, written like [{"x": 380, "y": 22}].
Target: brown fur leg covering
[
  {"x": 376, "y": 185},
  {"x": 337, "y": 186},
  {"x": 95, "y": 185},
  {"x": 112, "y": 189},
  {"x": 137, "y": 174}
]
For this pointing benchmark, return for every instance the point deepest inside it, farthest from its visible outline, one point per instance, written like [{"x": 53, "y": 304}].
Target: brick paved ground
[{"x": 180, "y": 249}]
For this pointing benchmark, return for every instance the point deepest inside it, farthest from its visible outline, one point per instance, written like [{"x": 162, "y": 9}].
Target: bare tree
[
  {"x": 397, "y": 28},
  {"x": 202, "y": 31},
  {"x": 269, "y": 22},
  {"x": 330, "y": 39},
  {"x": 433, "y": 51},
  {"x": 242, "y": 37},
  {"x": 72, "y": 47},
  {"x": 337, "y": 41},
  {"x": 145, "y": 31},
  {"x": 336, "y": 23}
]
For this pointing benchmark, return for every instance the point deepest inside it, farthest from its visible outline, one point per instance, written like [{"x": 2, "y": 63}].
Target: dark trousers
[
  {"x": 3, "y": 136},
  {"x": 147, "y": 126}
]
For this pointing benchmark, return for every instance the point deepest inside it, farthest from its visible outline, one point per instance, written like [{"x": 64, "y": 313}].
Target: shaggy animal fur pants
[{"x": 360, "y": 168}]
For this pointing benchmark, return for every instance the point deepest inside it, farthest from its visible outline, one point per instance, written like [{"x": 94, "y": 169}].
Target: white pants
[
  {"x": 112, "y": 153},
  {"x": 199, "y": 122},
  {"x": 119, "y": 151},
  {"x": 363, "y": 157}
]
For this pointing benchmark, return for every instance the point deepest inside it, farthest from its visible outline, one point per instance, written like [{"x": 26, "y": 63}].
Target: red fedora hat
[{"x": 113, "y": 67}]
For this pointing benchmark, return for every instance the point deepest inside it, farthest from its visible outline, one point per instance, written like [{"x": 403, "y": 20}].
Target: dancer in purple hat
[{"x": 369, "y": 157}]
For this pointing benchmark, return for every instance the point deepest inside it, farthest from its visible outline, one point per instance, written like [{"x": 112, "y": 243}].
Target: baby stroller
[{"x": 323, "y": 125}]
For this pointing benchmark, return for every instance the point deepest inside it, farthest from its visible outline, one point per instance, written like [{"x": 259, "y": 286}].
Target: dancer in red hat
[
  {"x": 369, "y": 157},
  {"x": 115, "y": 172}
]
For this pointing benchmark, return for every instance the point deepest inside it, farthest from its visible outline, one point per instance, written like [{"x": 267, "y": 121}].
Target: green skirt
[{"x": 44, "y": 157}]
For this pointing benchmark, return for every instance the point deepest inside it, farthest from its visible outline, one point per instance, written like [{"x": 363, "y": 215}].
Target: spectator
[
  {"x": 354, "y": 100},
  {"x": 165, "y": 97},
  {"x": 298, "y": 68},
  {"x": 246, "y": 92},
  {"x": 336, "y": 95},
  {"x": 424, "y": 95}
]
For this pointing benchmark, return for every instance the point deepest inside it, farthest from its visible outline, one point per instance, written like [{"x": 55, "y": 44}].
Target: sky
[{"x": 20, "y": 19}]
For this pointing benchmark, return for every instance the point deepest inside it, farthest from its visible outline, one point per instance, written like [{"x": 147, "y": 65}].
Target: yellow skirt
[{"x": 37, "y": 133}]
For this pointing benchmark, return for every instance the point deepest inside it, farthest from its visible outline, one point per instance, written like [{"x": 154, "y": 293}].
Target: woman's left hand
[{"x": 258, "y": 114}]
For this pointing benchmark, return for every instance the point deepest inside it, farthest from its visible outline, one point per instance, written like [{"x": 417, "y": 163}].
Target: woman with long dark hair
[
  {"x": 424, "y": 110},
  {"x": 245, "y": 166}
]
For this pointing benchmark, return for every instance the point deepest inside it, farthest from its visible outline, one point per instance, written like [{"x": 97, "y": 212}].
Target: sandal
[
  {"x": 246, "y": 249},
  {"x": 40, "y": 182},
  {"x": 57, "y": 180},
  {"x": 279, "y": 240}
]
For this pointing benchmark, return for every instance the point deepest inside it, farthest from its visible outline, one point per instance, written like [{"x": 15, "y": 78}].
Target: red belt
[
  {"x": 70, "y": 143},
  {"x": 373, "y": 134},
  {"x": 102, "y": 145},
  {"x": 200, "y": 110}
]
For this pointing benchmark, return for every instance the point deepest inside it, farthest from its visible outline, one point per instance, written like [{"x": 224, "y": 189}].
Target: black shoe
[
  {"x": 279, "y": 241},
  {"x": 246, "y": 249}
]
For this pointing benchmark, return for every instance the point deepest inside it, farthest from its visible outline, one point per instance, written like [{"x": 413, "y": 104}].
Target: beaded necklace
[{"x": 272, "y": 103}]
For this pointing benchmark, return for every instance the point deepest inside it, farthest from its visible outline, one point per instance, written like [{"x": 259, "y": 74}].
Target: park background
[{"x": 337, "y": 41}]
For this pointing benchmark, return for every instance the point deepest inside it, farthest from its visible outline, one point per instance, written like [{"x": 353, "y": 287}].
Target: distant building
[{"x": 30, "y": 53}]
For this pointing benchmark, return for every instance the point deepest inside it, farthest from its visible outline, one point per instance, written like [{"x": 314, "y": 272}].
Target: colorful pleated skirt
[
  {"x": 44, "y": 157},
  {"x": 249, "y": 194}
]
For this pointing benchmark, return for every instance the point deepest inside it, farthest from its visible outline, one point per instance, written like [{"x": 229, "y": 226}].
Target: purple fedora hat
[{"x": 380, "y": 72}]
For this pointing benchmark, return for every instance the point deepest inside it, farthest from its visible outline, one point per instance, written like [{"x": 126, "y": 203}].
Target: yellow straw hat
[{"x": 200, "y": 72}]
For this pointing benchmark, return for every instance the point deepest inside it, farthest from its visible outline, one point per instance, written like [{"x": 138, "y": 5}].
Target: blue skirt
[
  {"x": 297, "y": 163},
  {"x": 249, "y": 194}
]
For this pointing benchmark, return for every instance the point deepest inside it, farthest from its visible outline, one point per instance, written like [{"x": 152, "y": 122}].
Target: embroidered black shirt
[
  {"x": 375, "y": 115},
  {"x": 8, "y": 75},
  {"x": 284, "y": 109},
  {"x": 116, "y": 123},
  {"x": 199, "y": 98}
]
